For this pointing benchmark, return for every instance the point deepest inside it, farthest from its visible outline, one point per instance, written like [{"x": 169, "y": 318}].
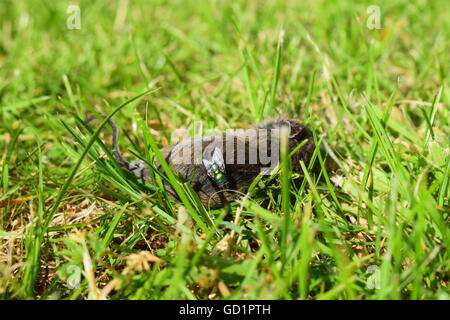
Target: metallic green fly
[{"x": 216, "y": 169}]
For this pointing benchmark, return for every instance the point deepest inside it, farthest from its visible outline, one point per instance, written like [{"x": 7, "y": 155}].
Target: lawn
[{"x": 370, "y": 220}]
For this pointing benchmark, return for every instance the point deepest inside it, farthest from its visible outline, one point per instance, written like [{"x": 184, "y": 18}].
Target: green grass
[{"x": 376, "y": 226}]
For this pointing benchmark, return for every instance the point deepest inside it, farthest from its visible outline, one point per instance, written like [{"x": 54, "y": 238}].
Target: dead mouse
[{"x": 220, "y": 167}]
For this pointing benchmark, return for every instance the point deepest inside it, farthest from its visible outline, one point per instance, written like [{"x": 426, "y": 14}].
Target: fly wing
[
  {"x": 218, "y": 159},
  {"x": 208, "y": 164}
]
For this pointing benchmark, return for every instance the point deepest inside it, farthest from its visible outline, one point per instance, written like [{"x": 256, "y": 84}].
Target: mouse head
[{"x": 298, "y": 133}]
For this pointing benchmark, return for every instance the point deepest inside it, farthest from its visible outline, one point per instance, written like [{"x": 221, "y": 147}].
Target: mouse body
[{"x": 220, "y": 167}]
